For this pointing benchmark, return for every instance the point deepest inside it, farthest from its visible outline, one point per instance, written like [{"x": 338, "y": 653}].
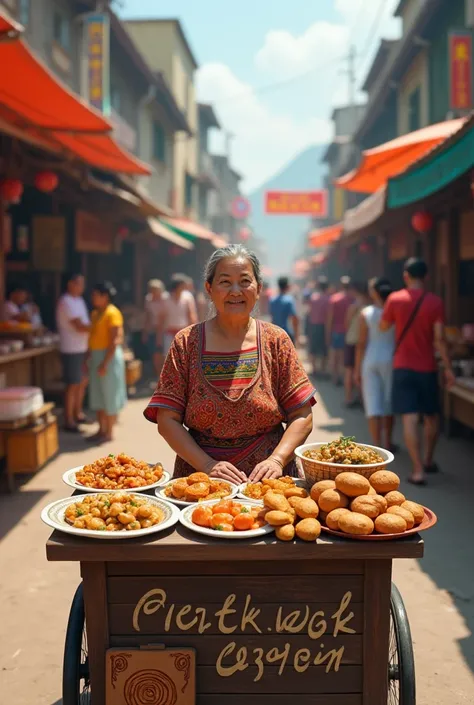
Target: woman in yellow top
[{"x": 107, "y": 390}]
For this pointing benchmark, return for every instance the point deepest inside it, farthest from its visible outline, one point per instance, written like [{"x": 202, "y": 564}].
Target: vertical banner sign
[
  {"x": 97, "y": 45},
  {"x": 460, "y": 70}
]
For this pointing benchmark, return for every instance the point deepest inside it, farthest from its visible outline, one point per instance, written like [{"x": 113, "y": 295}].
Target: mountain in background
[{"x": 283, "y": 234}]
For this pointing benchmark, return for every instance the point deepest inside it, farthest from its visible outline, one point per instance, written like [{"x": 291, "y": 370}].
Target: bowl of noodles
[{"x": 324, "y": 461}]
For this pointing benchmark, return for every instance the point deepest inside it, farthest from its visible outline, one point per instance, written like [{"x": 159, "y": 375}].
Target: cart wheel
[
  {"x": 76, "y": 686},
  {"x": 401, "y": 664}
]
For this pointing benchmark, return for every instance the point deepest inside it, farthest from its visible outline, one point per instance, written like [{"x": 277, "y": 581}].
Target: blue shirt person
[{"x": 283, "y": 310}]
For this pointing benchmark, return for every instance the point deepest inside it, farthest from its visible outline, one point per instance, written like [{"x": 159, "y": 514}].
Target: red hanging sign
[{"x": 460, "y": 70}]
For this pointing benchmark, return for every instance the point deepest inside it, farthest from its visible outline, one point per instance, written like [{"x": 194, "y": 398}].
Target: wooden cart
[{"x": 268, "y": 620}]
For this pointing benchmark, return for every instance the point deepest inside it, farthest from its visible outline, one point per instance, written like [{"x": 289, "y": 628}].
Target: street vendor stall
[{"x": 37, "y": 367}]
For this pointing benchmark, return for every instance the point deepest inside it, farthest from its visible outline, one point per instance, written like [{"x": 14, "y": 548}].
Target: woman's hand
[
  {"x": 226, "y": 471},
  {"x": 269, "y": 469}
]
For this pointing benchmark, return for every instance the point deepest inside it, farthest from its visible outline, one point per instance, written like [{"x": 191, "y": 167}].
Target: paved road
[{"x": 438, "y": 591}]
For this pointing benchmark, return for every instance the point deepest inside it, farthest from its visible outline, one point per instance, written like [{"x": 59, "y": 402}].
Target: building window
[
  {"x": 61, "y": 31},
  {"x": 24, "y": 12},
  {"x": 159, "y": 142},
  {"x": 414, "y": 110},
  {"x": 188, "y": 195}
]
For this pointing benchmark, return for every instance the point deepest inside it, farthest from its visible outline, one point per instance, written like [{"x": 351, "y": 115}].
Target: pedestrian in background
[
  {"x": 360, "y": 299},
  {"x": 339, "y": 304},
  {"x": 73, "y": 326},
  {"x": 318, "y": 309},
  {"x": 108, "y": 394},
  {"x": 283, "y": 310},
  {"x": 179, "y": 310},
  {"x": 374, "y": 365},
  {"x": 418, "y": 318},
  {"x": 152, "y": 335}
]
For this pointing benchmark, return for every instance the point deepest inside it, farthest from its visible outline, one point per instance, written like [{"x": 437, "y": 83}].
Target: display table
[
  {"x": 32, "y": 367},
  {"x": 458, "y": 406},
  {"x": 268, "y": 620}
]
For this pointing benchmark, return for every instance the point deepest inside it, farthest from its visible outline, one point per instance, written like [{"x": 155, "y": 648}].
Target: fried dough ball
[
  {"x": 296, "y": 492},
  {"x": 404, "y": 513},
  {"x": 144, "y": 512},
  {"x": 390, "y": 524},
  {"x": 96, "y": 524},
  {"x": 394, "y": 498},
  {"x": 197, "y": 477},
  {"x": 371, "y": 490},
  {"x": 285, "y": 533},
  {"x": 308, "y": 529},
  {"x": 178, "y": 488},
  {"x": 352, "y": 484},
  {"x": 116, "y": 508},
  {"x": 332, "y": 499},
  {"x": 277, "y": 518},
  {"x": 273, "y": 500},
  {"x": 381, "y": 501},
  {"x": 305, "y": 508},
  {"x": 384, "y": 481},
  {"x": 416, "y": 509},
  {"x": 126, "y": 518},
  {"x": 366, "y": 505},
  {"x": 355, "y": 523},
  {"x": 197, "y": 491},
  {"x": 319, "y": 487},
  {"x": 332, "y": 519}
]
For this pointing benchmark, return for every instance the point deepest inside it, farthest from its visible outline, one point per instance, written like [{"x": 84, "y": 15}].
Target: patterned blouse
[{"x": 234, "y": 406}]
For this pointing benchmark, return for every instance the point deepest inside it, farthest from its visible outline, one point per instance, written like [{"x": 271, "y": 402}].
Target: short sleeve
[
  {"x": 388, "y": 312},
  {"x": 115, "y": 318},
  {"x": 294, "y": 387},
  {"x": 292, "y": 308},
  {"x": 171, "y": 391}
]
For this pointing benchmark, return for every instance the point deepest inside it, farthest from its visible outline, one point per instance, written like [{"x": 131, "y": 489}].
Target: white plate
[
  {"x": 185, "y": 520},
  {"x": 69, "y": 478},
  {"x": 160, "y": 492},
  {"x": 53, "y": 516},
  {"x": 240, "y": 494}
]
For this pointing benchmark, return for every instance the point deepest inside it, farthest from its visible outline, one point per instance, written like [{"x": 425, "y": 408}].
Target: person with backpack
[{"x": 418, "y": 318}]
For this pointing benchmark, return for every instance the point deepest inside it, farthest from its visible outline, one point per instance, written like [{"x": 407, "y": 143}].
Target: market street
[{"x": 438, "y": 591}]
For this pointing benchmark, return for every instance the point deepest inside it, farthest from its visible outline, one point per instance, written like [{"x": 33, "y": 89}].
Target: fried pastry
[
  {"x": 394, "y": 498},
  {"x": 332, "y": 519},
  {"x": 273, "y": 500},
  {"x": 404, "y": 513},
  {"x": 285, "y": 533},
  {"x": 277, "y": 518},
  {"x": 366, "y": 505},
  {"x": 198, "y": 477},
  {"x": 416, "y": 509},
  {"x": 308, "y": 529},
  {"x": 390, "y": 524},
  {"x": 384, "y": 481},
  {"x": 352, "y": 484},
  {"x": 305, "y": 508},
  {"x": 332, "y": 499},
  {"x": 355, "y": 523},
  {"x": 319, "y": 487}
]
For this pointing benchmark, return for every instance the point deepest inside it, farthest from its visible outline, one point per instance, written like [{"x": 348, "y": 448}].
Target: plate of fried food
[
  {"x": 370, "y": 509},
  {"x": 226, "y": 519},
  {"x": 122, "y": 515},
  {"x": 197, "y": 487},
  {"x": 116, "y": 472},
  {"x": 286, "y": 485}
]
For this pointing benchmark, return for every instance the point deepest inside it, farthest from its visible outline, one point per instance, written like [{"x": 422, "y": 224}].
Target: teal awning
[{"x": 435, "y": 173}]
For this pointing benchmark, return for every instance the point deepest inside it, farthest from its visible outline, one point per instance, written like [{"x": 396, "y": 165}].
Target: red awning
[
  {"x": 325, "y": 236},
  {"x": 391, "y": 158},
  {"x": 31, "y": 95},
  {"x": 103, "y": 152},
  {"x": 8, "y": 27}
]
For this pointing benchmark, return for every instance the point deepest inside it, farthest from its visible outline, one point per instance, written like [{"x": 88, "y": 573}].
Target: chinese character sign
[
  {"x": 460, "y": 70},
  {"x": 312, "y": 203},
  {"x": 97, "y": 48}
]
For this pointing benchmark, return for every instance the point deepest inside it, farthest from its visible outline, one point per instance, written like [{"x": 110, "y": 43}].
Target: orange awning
[
  {"x": 318, "y": 259},
  {"x": 31, "y": 95},
  {"x": 8, "y": 26},
  {"x": 103, "y": 152},
  {"x": 381, "y": 163},
  {"x": 301, "y": 267},
  {"x": 188, "y": 228},
  {"x": 325, "y": 236}
]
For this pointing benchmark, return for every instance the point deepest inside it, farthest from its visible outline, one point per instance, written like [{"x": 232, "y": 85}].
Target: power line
[{"x": 373, "y": 30}]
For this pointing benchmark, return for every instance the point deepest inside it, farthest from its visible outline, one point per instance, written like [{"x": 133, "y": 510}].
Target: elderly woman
[
  {"x": 107, "y": 390},
  {"x": 228, "y": 385}
]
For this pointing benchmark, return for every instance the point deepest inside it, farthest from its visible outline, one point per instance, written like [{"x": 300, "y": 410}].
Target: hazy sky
[{"x": 245, "y": 48}]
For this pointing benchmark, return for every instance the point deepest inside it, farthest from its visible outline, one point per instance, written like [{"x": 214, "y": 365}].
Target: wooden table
[
  {"x": 458, "y": 406},
  {"x": 30, "y": 367},
  {"x": 268, "y": 620}
]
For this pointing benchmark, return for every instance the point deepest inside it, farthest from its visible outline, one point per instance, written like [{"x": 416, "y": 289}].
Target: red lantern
[
  {"x": 11, "y": 190},
  {"x": 46, "y": 181},
  {"x": 422, "y": 222}
]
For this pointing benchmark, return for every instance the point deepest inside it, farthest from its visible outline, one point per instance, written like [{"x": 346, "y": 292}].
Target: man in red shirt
[
  {"x": 418, "y": 317},
  {"x": 339, "y": 304}
]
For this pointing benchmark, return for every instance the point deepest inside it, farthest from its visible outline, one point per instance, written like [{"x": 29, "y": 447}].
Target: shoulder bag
[{"x": 410, "y": 321}]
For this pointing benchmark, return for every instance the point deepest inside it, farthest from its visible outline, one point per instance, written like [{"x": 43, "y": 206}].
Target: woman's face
[
  {"x": 234, "y": 290},
  {"x": 99, "y": 300}
]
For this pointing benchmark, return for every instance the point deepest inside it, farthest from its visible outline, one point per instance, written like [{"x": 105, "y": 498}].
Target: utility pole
[{"x": 350, "y": 72}]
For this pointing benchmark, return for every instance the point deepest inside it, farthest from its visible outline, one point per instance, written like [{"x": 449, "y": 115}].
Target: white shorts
[{"x": 377, "y": 388}]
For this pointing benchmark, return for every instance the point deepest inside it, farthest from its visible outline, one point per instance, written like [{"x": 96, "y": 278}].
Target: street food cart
[{"x": 262, "y": 620}]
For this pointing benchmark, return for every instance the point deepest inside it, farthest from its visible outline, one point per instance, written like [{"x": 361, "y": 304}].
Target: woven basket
[{"x": 316, "y": 470}]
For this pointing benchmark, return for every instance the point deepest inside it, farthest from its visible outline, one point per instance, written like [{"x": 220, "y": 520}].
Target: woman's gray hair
[{"x": 232, "y": 251}]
